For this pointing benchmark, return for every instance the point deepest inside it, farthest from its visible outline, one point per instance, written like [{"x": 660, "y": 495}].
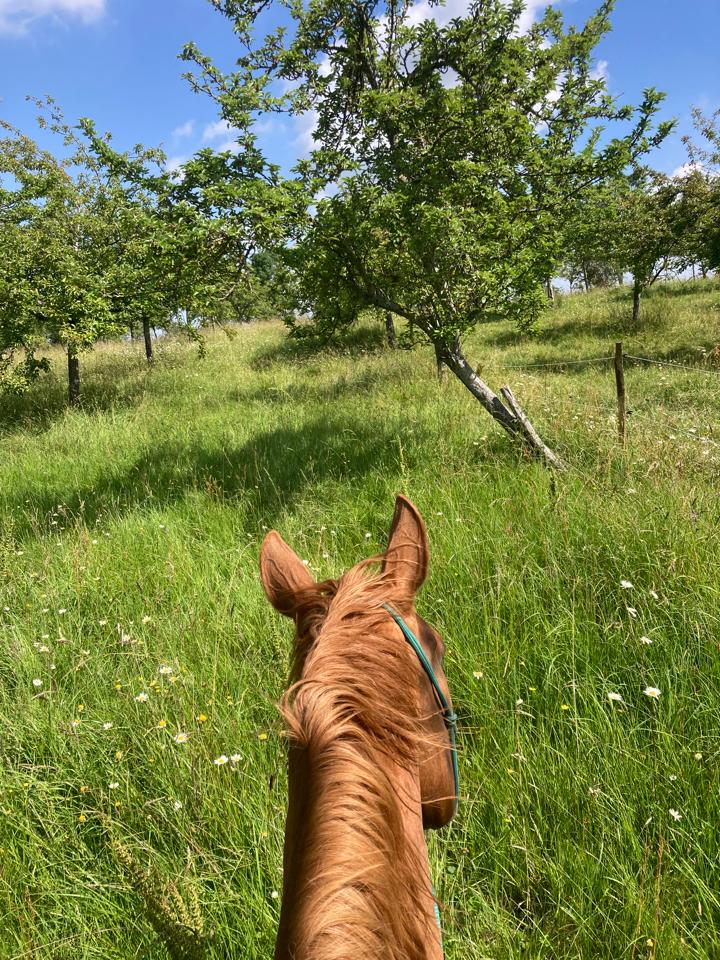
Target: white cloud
[
  {"x": 173, "y": 164},
  {"x": 184, "y": 130},
  {"x": 423, "y": 10},
  {"x": 264, "y": 126},
  {"x": 305, "y": 124},
  {"x": 224, "y": 132},
  {"x": 530, "y": 14},
  {"x": 600, "y": 71},
  {"x": 17, "y": 15},
  {"x": 685, "y": 168},
  {"x": 213, "y": 131}
]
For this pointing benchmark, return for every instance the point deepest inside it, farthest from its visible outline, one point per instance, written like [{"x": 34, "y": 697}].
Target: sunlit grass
[{"x": 130, "y": 534}]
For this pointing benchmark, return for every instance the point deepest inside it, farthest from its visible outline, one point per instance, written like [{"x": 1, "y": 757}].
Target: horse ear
[
  {"x": 283, "y": 573},
  {"x": 407, "y": 554}
]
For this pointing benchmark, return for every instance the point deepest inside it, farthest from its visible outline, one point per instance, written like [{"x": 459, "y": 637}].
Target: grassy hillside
[{"x": 131, "y": 615}]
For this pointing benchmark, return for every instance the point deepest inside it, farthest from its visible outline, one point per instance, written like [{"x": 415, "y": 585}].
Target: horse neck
[{"x": 350, "y": 892}]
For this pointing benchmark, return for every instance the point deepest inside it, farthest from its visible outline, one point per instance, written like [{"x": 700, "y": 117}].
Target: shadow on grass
[
  {"x": 357, "y": 340},
  {"x": 700, "y": 360},
  {"x": 615, "y": 326},
  {"x": 360, "y": 384},
  {"x": 266, "y": 475},
  {"x": 112, "y": 380},
  {"x": 615, "y": 322}
]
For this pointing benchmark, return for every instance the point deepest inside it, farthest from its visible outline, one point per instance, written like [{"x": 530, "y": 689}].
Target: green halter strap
[{"x": 449, "y": 716}]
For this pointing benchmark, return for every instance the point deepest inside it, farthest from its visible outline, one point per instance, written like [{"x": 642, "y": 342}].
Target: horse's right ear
[
  {"x": 406, "y": 557},
  {"x": 283, "y": 573}
]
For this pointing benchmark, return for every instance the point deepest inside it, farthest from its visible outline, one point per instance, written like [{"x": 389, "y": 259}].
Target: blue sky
[{"x": 116, "y": 61}]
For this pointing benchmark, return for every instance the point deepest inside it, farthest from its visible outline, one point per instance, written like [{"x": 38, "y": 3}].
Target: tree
[
  {"x": 456, "y": 152},
  {"x": 55, "y": 276},
  {"x": 646, "y": 229},
  {"x": 701, "y": 191},
  {"x": 587, "y": 257},
  {"x": 210, "y": 227}
]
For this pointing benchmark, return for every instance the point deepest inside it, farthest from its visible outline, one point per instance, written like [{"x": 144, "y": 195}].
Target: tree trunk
[
  {"x": 390, "y": 330},
  {"x": 73, "y": 378},
  {"x": 148, "y": 340},
  {"x": 636, "y": 301},
  {"x": 585, "y": 277},
  {"x": 549, "y": 290},
  {"x": 440, "y": 362},
  {"x": 514, "y": 420}
]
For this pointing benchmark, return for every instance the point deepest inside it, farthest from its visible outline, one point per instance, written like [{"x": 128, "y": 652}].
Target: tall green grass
[{"x": 128, "y": 555}]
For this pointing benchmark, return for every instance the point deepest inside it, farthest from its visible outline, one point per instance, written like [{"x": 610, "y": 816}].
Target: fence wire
[{"x": 626, "y": 356}]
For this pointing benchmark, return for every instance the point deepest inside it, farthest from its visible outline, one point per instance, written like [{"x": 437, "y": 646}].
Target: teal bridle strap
[{"x": 449, "y": 716}]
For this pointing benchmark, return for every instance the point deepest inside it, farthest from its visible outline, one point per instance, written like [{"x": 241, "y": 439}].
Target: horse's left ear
[
  {"x": 283, "y": 573},
  {"x": 407, "y": 554}
]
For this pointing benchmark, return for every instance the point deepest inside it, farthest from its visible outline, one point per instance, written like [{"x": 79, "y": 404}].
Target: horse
[{"x": 372, "y": 757}]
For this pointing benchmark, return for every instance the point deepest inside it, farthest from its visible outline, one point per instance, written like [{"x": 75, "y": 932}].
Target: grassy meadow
[{"x": 138, "y": 647}]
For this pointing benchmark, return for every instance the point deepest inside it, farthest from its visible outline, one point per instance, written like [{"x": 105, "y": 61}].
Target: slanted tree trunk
[
  {"x": 637, "y": 290},
  {"x": 73, "y": 377},
  {"x": 440, "y": 362},
  {"x": 390, "y": 330},
  {"x": 512, "y": 418},
  {"x": 148, "y": 340}
]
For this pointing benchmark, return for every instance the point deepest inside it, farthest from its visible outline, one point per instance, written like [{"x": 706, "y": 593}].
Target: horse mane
[{"x": 354, "y": 708}]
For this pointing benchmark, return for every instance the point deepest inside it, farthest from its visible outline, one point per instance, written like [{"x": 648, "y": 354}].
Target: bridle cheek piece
[{"x": 449, "y": 716}]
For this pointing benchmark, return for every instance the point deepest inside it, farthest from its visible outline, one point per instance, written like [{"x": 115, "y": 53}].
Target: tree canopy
[{"x": 446, "y": 158}]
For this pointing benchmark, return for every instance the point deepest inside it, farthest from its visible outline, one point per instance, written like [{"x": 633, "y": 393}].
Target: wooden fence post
[{"x": 620, "y": 385}]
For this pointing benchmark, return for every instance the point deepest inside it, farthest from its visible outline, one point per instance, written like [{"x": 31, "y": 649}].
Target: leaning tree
[{"x": 452, "y": 150}]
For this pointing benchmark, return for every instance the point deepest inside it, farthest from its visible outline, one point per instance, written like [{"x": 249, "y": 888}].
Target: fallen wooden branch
[{"x": 531, "y": 435}]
